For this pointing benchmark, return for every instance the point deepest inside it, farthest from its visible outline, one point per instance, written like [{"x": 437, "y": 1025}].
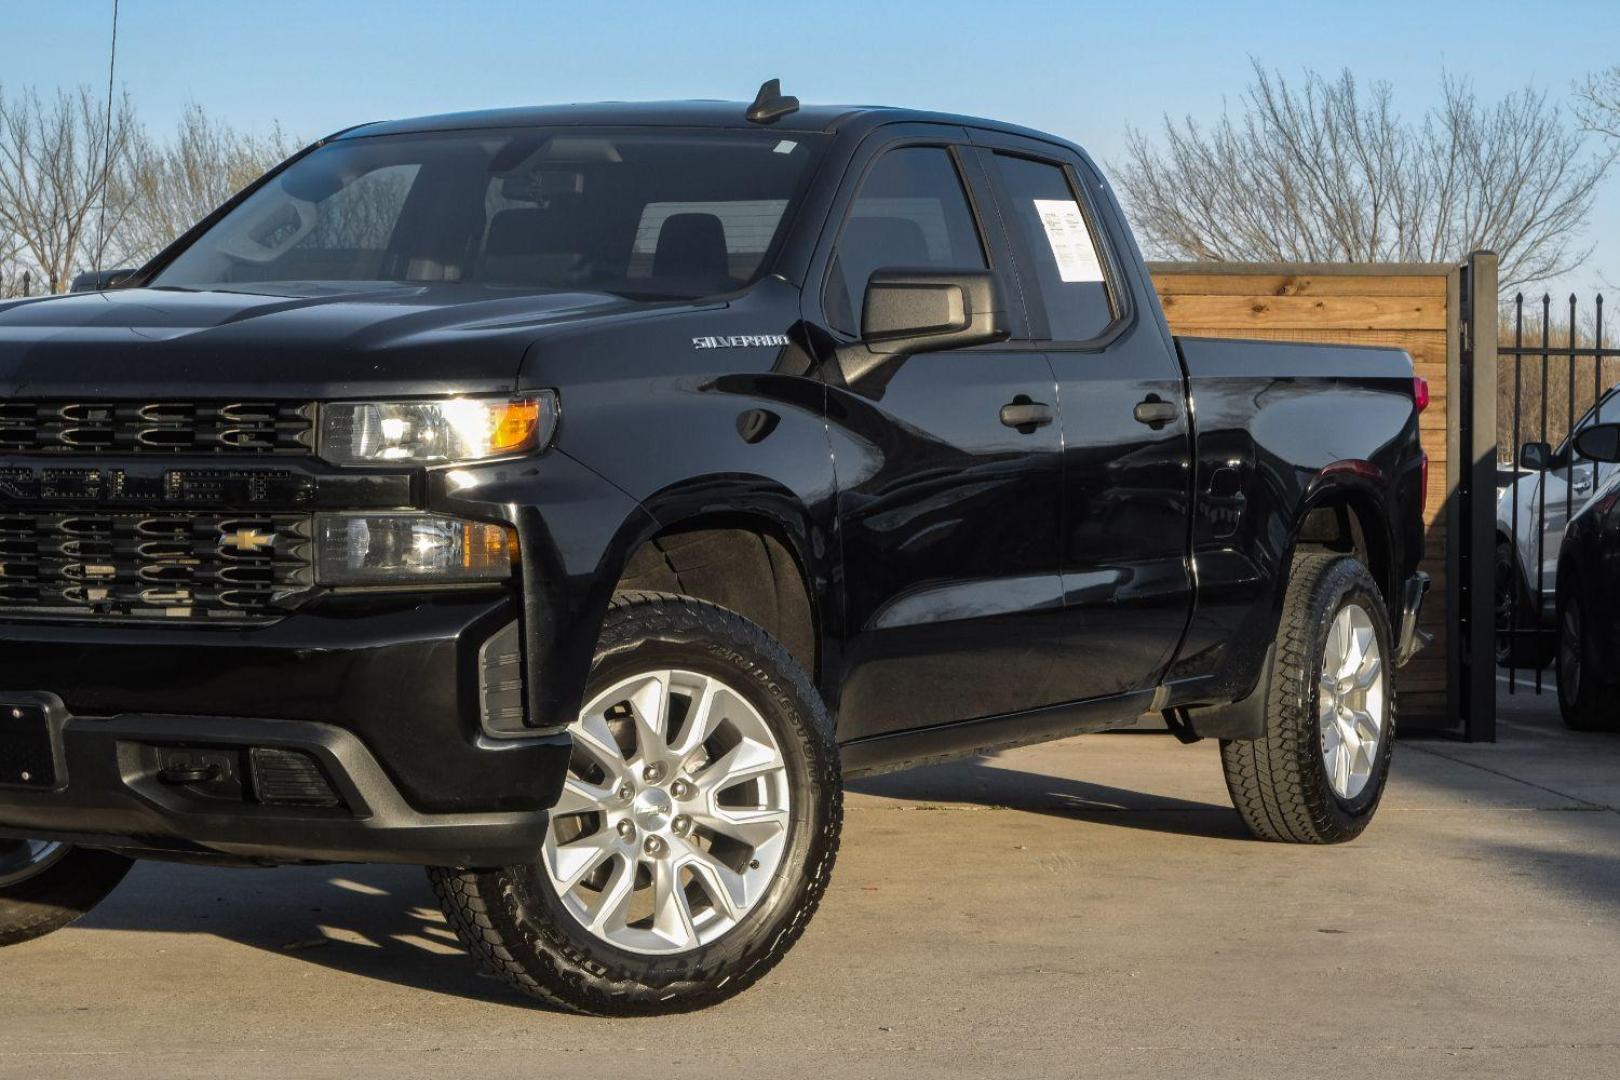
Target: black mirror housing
[
  {"x": 913, "y": 311},
  {"x": 1535, "y": 456},
  {"x": 101, "y": 280},
  {"x": 1599, "y": 442}
]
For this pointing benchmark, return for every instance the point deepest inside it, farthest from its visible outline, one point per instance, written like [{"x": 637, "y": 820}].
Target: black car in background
[{"x": 1588, "y": 655}]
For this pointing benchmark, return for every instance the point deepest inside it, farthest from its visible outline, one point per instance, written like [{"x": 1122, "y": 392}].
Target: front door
[{"x": 948, "y": 509}]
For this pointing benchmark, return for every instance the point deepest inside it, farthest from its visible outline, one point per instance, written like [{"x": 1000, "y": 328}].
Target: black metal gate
[{"x": 1558, "y": 374}]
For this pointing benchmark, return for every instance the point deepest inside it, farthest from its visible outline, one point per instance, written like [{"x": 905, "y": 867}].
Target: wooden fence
[{"x": 1413, "y": 307}]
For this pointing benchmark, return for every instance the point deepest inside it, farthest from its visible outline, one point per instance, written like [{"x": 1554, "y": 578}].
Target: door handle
[
  {"x": 1156, "y": 413},
  {"x": 1026, "y": 415}
]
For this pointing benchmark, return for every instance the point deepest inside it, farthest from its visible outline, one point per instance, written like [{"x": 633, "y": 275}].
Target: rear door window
[{"x": 1059, "y": 255}]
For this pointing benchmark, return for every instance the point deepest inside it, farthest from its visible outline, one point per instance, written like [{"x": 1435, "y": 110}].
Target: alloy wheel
[
  {"x": 674, "y": 817},
  {"x": 21, "y": 860},
  {"x": 1350, "y": 701}
]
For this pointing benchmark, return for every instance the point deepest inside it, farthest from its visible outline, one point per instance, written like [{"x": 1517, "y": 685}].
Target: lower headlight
[{"x": 393, "y": 549}]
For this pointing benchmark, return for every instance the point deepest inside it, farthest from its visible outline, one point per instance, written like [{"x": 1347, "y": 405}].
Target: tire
[
  {"x": 1281, "y": 783},
  {"x": 1586, "y": 702},
  {"x": 1531, "y": 647},
  {"x": 62, "y": 885},
  {"x": 527, "y": 924}
]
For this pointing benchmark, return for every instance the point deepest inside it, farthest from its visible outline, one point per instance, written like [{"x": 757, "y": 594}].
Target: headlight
[
  {"x": 434, "y": 432},
  {"x": 386, "y": 549}
]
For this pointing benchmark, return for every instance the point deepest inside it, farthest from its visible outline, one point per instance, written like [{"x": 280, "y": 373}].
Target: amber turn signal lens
[
  {"x": 513, "y": 426},
  {"x": 487, "y": 547}
]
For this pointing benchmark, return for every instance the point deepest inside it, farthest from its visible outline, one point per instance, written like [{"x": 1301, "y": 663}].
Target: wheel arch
[
  {"x": 1348, "y": 517},
  {"x": 746, "y": 544}
]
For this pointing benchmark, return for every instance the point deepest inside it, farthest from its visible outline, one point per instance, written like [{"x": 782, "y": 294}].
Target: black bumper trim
[{"x": 112, "y": 797}]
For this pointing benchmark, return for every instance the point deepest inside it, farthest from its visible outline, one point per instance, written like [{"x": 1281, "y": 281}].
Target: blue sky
[{"x": 1083, "y": 70}]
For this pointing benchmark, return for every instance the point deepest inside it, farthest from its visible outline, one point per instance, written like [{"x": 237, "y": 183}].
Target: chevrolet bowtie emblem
[{"x": 248, "y": 541}]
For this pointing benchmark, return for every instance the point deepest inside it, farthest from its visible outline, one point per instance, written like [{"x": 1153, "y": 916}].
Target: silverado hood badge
[{"x": 741, "y": 341}]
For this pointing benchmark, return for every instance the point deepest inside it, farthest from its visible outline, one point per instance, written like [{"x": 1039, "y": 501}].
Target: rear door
[
  {"x": 1127, "y": 463},
  {"x": 948, "y": 516}
]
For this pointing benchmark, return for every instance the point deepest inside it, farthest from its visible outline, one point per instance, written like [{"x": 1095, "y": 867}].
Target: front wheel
[
  {"x": 696, "y": 830},
  {"x": 45, "y": 886},
  {"x": 1317, "y": 774}
]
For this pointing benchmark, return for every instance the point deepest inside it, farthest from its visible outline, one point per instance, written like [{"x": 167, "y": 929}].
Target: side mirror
[
  {"x": 101, "y": 280},
  {"x": 914, "y": 311},
  {"x": 1535, "y": 456},
  {"x": 1600, "y": 442}
]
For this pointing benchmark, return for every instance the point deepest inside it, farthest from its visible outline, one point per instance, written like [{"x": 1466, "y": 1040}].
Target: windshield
[{"x": 655, "y": 215}]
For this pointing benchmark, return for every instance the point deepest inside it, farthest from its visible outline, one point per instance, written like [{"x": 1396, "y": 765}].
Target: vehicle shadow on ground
[
  {"x": 384, "y": 923},
  {"x": 978, "y": 782},
  {"x": 373, "y": 922}
]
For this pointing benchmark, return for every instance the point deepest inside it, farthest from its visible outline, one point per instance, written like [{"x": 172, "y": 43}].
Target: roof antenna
[
  {"x": 106, "y": 166},
  {"x": 769, "y": 104}
]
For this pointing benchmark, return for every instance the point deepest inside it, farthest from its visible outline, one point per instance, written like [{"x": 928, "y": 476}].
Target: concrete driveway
[{"x": 1088, "y": 908}]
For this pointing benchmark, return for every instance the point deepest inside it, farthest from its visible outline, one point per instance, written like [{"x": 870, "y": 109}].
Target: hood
[{"x": 407, "y": 339}]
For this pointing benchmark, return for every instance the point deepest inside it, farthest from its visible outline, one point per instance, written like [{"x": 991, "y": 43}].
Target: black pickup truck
[{"x": 567, "y": 499}]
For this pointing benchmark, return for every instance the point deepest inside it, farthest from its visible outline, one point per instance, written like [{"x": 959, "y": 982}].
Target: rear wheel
[
  {"x": 1317, "y": 774},
  {"x": 45, "y": 886},
  {"x": 1586, "y": 701},
  {"x": 696, "y": 830}
]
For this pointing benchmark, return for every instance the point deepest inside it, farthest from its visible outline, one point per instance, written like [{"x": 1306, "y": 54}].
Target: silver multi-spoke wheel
[
  {"x": 674, "y": 817},
  {"x": 21, "y": 860},
  {"x": 1350, "y": 701}
]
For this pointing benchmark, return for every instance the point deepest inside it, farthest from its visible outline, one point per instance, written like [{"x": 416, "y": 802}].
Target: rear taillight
[{"x": 1420, "y": 398}]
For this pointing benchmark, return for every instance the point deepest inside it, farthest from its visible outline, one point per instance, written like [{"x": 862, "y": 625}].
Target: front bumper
[
  {"x": 383, "y": 699},
  {"x": 1412, "y": 640}
]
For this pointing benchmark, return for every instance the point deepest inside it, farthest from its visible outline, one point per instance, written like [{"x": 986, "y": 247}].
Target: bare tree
[
  {"x": 55, "y": 160},
  {"x": 1598, "y": 102},
  {"x": 11, "y": 271},
  {"x": 1323, "y": 172},
  {"x": 170, "y": 186}
]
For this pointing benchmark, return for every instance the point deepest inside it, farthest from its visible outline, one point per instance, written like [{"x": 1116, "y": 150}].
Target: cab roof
[{"x": 828, "y": 119}]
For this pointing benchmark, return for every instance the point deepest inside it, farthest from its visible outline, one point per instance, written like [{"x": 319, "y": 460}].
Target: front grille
[
  {"x": 156, "y": 427},
  {"x": 242, "y": 567}
]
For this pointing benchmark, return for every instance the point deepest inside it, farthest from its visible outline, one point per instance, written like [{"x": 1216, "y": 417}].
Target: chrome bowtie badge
[{"x": 248, "y": 541}]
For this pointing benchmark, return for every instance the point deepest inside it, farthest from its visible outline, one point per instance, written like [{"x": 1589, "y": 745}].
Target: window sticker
[{"x": 1071, "y": 242}]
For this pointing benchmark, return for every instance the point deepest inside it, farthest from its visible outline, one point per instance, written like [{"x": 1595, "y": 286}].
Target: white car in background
[{"x": 1551, "y": 486}]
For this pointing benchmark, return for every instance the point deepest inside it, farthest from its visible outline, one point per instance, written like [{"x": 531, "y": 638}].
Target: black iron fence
[{"x": 1555, "y": 375}]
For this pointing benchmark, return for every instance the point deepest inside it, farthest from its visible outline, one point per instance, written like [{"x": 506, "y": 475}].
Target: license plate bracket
[{"x": 27, "y": 746}]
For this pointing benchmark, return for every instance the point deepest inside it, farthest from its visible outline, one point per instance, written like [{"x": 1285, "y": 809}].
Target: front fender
[{"x": 575, "y": 532}]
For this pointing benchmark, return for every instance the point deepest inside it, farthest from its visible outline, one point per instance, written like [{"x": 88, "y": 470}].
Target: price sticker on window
[{"x": 1071, "y": 242}]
